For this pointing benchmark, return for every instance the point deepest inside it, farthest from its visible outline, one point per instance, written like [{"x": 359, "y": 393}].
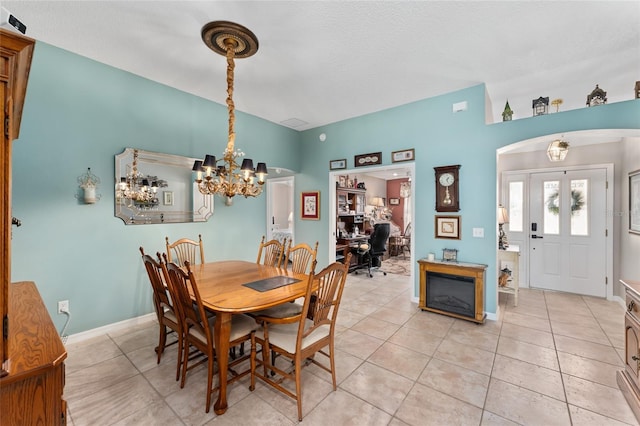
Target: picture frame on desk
[{"x": 634, "y": 202}]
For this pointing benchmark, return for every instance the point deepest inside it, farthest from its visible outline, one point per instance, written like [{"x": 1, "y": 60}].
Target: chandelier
[
  {"x": 135, "y": 186},
  {"x": 228, "y": 178},
  {"x": 557, "y": 150}
]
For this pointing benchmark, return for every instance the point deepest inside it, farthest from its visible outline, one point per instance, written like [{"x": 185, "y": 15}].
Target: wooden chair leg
[
  {"x": 162, "y": 341},
  {"x": 180, "y": 349},
  {"x": 252, "y": 359},
  {"x": 298, "y": 367}
]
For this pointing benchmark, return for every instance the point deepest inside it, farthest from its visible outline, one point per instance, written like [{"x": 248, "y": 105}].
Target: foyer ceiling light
[
  {"x": 230, "y": 179},
  {"x": 557, "y": 150}
]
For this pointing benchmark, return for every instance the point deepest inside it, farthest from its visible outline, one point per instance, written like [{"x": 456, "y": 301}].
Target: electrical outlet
[{"x": 63, "y": 306}]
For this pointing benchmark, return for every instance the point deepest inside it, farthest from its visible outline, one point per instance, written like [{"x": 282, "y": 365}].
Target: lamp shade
[
  {"x": 209, "y": 161},
  {"x": 503, "y": 216},
  {"x": 197, "y": 166},
  {"x": 377, "y": 202},
  {"x": 247, "y": 165}
]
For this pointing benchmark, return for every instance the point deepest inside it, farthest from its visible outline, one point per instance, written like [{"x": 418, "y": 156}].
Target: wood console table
[
  {"x": 629, "y": 378},
  {"x": 31, "y": 392}
]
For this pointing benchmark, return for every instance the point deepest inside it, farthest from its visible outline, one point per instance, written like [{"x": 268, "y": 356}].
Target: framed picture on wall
[
  {"x": 448, "y": 227},
  {"x": 338, "y": 164},
  {"x": 405, "y": 155},
  {"x": 310, "y": 205},
  {"x": 367, "y": 159},
  {"x": 634, "y": 202},
  {"x": 167, "y": 198},
  {"x": 394, "y": 201}
]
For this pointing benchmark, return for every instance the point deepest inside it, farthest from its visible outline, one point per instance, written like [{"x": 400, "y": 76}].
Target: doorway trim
[
  {"x": 270, "y": 202},
  {"x": 333, "y": 176},
  {"x": 609, "y": 191}
]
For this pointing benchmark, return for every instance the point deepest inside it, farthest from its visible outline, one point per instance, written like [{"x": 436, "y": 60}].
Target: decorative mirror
[{"x": 152, "y": 187}]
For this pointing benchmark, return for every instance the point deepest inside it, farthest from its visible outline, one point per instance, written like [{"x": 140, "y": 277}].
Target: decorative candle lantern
[
  {"x": 597, "y": 97},
  {"x": 507, "y": 113},
  {"x": 540, "y": 106}
]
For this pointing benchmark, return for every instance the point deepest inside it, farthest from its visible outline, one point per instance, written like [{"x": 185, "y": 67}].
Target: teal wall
[
  {"x": 79, "y": 113},
  {"x": 441, "y": 138}
]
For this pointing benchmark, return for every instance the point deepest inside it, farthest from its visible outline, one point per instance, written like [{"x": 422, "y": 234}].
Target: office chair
[{"x": 369, "y": 253}]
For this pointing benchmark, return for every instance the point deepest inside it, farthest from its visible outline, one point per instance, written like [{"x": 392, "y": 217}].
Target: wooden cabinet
[
  {"x": 629, "y": 378},
  {"x": 31, "y": 352},
  {"x": 350, "y": 204},
  {"x": 16, "y": 52},
  {"x": 31, "y": 392}
]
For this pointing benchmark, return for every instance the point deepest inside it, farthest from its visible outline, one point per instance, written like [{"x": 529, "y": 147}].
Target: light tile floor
[{"x": 550, "y": 361}]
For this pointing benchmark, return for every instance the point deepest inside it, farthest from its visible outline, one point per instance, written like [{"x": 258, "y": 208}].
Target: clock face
[
  {"x": 446, "y": 179},
  {"x": 447, "y": 184}
]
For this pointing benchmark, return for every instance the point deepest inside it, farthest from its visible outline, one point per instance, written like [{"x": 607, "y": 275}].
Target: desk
[
  {"x": 222, "y": 291},
  {"x": 351, "y": 244}
]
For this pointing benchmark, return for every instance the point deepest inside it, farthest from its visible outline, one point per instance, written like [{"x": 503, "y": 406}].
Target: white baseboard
[{"x": 116, "y": 326}]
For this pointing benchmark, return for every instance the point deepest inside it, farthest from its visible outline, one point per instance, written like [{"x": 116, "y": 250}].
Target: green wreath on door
[{"x": 577, "y": 202}]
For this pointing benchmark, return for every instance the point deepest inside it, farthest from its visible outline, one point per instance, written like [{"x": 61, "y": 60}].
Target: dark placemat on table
[{"x": 271, "y": 283}]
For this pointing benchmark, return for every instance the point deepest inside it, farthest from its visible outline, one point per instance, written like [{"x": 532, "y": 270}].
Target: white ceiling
[{"x": 326, "y": 61}]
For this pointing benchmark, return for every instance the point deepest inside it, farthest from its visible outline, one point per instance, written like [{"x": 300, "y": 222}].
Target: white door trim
[
  {"x": 609, "y": 210},
  {"x": 332, "y": 203}
]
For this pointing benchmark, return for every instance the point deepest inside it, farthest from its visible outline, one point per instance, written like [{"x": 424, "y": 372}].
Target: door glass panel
[
  {"x": 551, "y": 217},
  {"x": 516, "y": 205},
  {"x": 579, "y": 207}
]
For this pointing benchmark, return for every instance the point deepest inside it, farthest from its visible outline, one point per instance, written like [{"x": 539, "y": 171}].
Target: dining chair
[
  {"x": 163, "y": 303},
  {"x": 270, "y": 252},
  {"x": 185, "y": 249},
  {"x": 198, "y": 327},
  {"x": 302, "y": 336},
  {"x": 300, "y": 257}
]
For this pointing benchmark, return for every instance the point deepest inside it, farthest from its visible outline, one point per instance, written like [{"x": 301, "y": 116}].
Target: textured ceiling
[{"x": 324, "y": 61}]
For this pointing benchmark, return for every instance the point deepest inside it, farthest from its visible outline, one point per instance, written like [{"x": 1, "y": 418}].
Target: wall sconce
[
  {"x": 503, "y": 217},
  {"x": 557, "y": 150},
  {"x": 89, "y": 183}
]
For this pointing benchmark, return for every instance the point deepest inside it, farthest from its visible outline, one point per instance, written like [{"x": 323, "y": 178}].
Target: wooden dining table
[{"x": 223, "y": 290}]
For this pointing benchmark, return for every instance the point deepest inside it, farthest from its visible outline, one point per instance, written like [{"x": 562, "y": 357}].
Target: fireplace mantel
[{"x": 474, "y": 272}]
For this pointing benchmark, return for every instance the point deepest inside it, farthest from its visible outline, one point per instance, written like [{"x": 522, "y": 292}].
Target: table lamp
[{"x": 503, "y": 218}]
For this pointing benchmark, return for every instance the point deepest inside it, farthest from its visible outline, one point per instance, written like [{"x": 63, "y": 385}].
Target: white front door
[{"x": 567, "y": 246}]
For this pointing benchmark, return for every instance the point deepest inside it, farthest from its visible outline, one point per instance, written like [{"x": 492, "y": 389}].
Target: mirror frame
[{"x": 164, "y": 210}]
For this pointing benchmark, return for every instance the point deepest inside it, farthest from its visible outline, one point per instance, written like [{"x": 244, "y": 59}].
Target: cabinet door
[
  {"x": 360, "y": 203},
  {"x": 631, "y": 331},
  {"x": 343, "y": 207}
]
